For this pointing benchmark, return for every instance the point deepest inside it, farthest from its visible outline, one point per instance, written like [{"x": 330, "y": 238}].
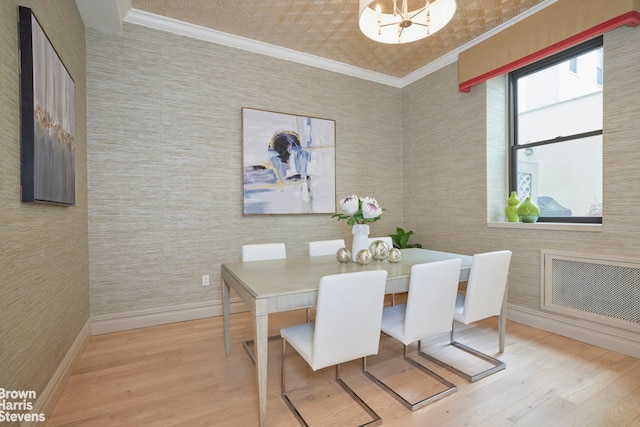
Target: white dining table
[{"x": 292, "y": 283}]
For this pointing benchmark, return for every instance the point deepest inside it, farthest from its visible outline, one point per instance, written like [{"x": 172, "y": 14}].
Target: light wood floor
[{"x": 178, "y": 375}]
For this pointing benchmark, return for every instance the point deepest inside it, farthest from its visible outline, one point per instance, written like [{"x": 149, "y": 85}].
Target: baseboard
[
  {"x": 159, "y": 316},
  {"x": 46, "y": 401},
  {"x": 622, "y": 341}
]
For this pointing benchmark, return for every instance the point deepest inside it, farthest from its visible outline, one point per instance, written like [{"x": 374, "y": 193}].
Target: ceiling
[{"x": 329, "y": 29}]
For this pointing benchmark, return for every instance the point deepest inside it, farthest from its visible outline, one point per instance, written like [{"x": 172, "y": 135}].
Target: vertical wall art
[
  {"x": 48, "y": 158},
  {"x": 289, "y": 163}
]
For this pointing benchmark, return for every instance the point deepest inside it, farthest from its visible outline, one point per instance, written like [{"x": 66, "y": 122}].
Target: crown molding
[
  {"x": 181, "y": 28},
  {"x": 174, "y": 26},
  {"x": 452, "y": 56}
]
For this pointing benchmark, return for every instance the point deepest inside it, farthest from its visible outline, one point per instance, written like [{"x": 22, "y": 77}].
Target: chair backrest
[
  {"x": 348, "y": 317},
  {"x": 325, "y": 247},
  {"x": 431, "y": 301},
  {"x": 263, "y": 251},
  {"x": 486, "y": 286},
  {"x": 387, "y": 240}
]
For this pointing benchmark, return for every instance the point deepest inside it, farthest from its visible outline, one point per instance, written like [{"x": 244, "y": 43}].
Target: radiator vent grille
[{"x": 593, "y": 288}]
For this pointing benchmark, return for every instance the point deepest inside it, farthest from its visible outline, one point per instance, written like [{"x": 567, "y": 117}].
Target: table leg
[
  {"x": 225, "y": 314},
  {"x": 261, "y": 340},
  {"x": 502, "y": 321}
]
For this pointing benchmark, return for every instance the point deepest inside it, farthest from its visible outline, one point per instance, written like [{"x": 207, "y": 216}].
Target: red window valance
[{"x": 554, "y": 28}]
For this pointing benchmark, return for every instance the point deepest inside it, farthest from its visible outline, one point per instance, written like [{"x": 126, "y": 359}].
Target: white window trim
[{"x": 555, "y": 226}]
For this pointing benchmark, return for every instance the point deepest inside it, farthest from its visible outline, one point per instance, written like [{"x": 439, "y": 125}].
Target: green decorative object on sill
[
  {"x": 401, "y": 239},
  {"x": 512, "y": 208},
  {"x": 528, "y": 211}
]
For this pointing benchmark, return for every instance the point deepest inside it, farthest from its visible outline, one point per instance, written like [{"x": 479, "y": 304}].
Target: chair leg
[
  {"x": 375, "y": 418},
  {"x": 286, "y": 399},
  {"x": 247, "y": 343},
  {"x": 498, "y": 365},
  {"x": 450, "y": 387}
]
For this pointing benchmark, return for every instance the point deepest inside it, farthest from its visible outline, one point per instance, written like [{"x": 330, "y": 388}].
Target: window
[
  {"x": 555, "y": 127},
  {"x": 573, "y": 65}
]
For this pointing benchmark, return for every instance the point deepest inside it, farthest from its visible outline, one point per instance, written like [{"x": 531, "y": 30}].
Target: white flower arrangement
[{"x": 359, "y": 210}]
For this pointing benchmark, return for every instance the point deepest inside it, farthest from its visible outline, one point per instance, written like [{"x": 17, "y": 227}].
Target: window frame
[{"x": 589, "y": 45}]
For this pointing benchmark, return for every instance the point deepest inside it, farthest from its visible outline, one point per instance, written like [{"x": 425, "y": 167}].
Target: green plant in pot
[{"x": 401, "y": 239}]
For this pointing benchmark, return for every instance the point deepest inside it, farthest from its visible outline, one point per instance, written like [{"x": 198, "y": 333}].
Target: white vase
[{"x": 360, "y": 239}]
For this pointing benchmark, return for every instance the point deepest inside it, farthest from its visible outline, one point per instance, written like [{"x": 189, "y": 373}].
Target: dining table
[{"x": 291, "y": 283}]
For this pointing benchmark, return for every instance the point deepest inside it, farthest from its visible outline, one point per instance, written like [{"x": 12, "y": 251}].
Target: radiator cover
[{"x": 602, "y": 289}]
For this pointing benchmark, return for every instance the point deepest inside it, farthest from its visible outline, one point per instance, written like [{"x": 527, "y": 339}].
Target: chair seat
[{"x": 300, "y": 337}]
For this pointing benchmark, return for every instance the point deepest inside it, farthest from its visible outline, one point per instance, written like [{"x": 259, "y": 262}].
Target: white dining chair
[
  {"x": 325, "y": 247},
  {"x": 262, "y": 252},
  {"x": 428, "y": 312},
  {"x": 486, "y": 289},
  {"x": 347, "y": 327}
]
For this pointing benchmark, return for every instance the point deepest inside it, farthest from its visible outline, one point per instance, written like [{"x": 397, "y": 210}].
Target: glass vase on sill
[
  {"x": 528, "y": 211},
  {"x": 512, "y": 209}
]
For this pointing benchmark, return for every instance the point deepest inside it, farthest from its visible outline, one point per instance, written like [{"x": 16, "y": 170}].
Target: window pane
[
  {"x": 567, "y": 102},
  {"x": 565, "y": 178}
]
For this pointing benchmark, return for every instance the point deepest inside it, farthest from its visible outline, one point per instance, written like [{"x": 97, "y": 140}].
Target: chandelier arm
[
  {"x": 417, "y": 13},
  {"x": 390, "y": 23},
  {"x": 420, "y": 23},
  {"x": 396, "y": 11}
]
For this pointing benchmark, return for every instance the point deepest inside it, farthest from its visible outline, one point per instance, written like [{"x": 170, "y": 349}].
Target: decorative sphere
[
  {"x": 379, "y": 250},
  {"x": 364, "y": 257},
  {"x": 394, "y": 255},
  {"x": 343, "y": 255}
]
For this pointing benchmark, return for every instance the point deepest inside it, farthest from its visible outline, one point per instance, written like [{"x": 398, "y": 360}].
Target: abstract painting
[
  {"x": 288, "y": 162},
  {"x": 47, "y": 146}
]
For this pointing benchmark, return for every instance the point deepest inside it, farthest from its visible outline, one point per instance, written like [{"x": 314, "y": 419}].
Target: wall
[
  {"x": 445, "y": 181},
  {"x": 165, "y": 163},
  {"x": 44, "y": 263}
]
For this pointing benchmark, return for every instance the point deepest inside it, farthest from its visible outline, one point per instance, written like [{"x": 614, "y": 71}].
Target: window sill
[{"x": 556, "y": 226}]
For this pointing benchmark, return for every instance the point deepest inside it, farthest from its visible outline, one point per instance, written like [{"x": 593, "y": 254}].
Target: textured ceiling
[{"x": 329, "y": 29}]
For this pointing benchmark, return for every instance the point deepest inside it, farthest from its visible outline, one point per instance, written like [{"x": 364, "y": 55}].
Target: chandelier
[{"x": 401, "y": 25}]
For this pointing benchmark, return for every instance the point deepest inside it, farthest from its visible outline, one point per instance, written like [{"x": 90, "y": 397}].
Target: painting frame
[
  {"x": 47, "y": 118},
  {"x": 289, "y": 163}
]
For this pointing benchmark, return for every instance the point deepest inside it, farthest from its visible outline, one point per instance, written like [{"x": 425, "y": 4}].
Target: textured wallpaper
[
  {"x": 450, "y": 149},
  {"x": 165, "y": 156},
  {"x": 44, "y": 268},
  {"x": 165, "y": 162}
]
